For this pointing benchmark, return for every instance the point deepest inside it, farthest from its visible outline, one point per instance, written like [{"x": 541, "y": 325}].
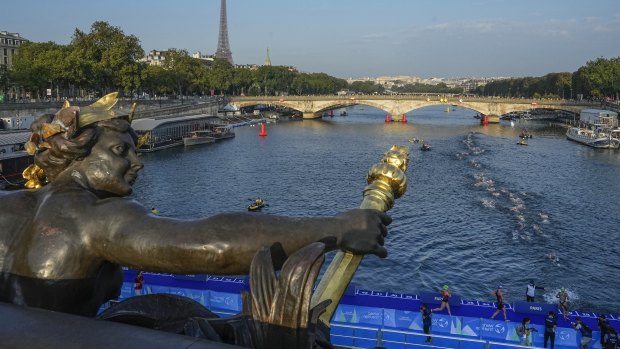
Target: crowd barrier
[{"x": 365, "y": 319}]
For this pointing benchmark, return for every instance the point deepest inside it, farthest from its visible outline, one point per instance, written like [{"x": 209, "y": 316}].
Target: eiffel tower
[{"x": 223, "y": 48}]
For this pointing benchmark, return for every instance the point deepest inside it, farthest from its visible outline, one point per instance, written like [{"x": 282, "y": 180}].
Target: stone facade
[{"x": 9, "y": 44}]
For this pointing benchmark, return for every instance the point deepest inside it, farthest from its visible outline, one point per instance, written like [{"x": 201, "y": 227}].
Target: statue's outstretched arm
[{"x": 225, "y": 243}]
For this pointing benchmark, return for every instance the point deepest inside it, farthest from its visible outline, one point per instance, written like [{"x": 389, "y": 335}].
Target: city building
[
  {"x": 9, "y": 43},
  {"x": 206, "y": 58},
  {"x": 156, "y": 58}
]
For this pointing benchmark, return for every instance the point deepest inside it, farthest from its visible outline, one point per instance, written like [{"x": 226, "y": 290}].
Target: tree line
[
  {"x": 597, "y": 79},
  {"x": 106, "y": 59}
]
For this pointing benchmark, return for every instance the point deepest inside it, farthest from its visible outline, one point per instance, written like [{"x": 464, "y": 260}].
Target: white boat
[
  {"x": 198, "y": 137},
  {"x": 601, "y": 131},
  {"x": 604, "y": 138}
]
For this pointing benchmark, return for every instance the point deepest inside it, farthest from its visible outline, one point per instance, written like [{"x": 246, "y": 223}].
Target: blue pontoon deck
[{"x": 365, "y": 319}]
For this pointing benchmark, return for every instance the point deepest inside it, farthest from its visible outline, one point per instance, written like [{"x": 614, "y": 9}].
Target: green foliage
[
  {"x": 366, "y": 87},
  {"x": 553, "y": 85},
  {"x": 317, "y": 83},
  {"x": 106, "y": 59},
  {"x": 4, "y": 80},
  {"x": 426, "y": 88},
  {"x": 598, "y": 78}
]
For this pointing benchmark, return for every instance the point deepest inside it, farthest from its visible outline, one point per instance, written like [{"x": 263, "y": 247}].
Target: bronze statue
[{"x": 62, "y": 244}]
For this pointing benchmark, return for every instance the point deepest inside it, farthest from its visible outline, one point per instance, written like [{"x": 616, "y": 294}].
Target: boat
[
  {"x": 343, "y": 113},
  {"x": 198, "y": 137},
  {"x": 524, "y": 134},
  {"x": 600, "y": 131},
  {"x": 222, "y": 132},
  {"x": 602, "y": 138},
  {"x": 522, "y": 141},
  {"x": 164, "y": 132},
  {"x": 425, "y": 147},
  {"x": 13, "y": 158},
  {"x": 256, "y": 205}
]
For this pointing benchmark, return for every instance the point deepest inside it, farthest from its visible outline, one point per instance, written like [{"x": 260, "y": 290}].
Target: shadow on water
[{"x": 480, "y": 209}]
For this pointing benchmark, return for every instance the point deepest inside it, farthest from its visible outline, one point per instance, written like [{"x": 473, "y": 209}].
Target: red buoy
[
  {"x": 387, "y": 118},
  {"x": 485, "y": 120},
  {"x": 404, "y": 120},
  {"x": 262, "y": 132}
]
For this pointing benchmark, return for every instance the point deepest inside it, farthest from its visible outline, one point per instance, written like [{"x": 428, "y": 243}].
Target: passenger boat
[
  {"x": 601, "y": 130},
  {"x": 603, "y": 138},
  {"x": 198, "y": 137},
  {"x": 164, "y": 132}
]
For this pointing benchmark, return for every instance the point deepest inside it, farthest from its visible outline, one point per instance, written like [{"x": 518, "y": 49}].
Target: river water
[{"x": 480, "y": 210}]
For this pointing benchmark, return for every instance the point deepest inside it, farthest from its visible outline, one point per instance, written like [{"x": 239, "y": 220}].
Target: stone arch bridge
[{"x": 397, "y": 105}]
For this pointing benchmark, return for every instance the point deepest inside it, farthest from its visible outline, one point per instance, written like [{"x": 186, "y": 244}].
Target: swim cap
[
  {"x": 445, "y": 287},
  {"x": 562, "y": 289},
  {"x": 500, "y": 286}
]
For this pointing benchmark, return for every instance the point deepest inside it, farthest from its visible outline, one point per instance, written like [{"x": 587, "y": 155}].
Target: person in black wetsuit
[
  {"x": 426, "y": 321},
  {"x": 603, "y": 326},
  {"x": 611, "y": 339},
  {"x": 499, "y": 293},
  {"x": 551, "y": 322}
]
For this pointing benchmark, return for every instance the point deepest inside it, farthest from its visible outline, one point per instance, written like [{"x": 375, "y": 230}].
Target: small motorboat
[
  {"x": 344, "y": 113},
  {"x": 522, "y": 141},
  {"x": 425, "y": 147},
  {"x": 256, "y": 205}
]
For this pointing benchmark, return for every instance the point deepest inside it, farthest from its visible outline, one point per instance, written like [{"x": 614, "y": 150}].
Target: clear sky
[{"x": 353, "y": 38}]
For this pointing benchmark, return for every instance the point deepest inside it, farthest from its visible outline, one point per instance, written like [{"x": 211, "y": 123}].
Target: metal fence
[{"x": 369, "y": 337}]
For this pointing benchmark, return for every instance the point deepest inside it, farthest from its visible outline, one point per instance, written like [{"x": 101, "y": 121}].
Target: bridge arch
[{"x": 396, "y": 106}]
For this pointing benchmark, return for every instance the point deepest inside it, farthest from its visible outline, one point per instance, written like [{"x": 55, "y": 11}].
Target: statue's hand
[{"x": 363, "y": 231}]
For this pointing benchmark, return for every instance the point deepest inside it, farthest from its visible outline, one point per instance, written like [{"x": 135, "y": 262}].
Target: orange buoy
[
  {"x": 485, "y": 120},
  {"x": 262, "y": 132},
  {"x": 387, "y": 118},
  {"x": 404, "y": 120}
]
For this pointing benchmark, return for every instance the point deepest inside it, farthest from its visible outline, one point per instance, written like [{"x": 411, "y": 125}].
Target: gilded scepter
[{"x": 386, "y": 182}]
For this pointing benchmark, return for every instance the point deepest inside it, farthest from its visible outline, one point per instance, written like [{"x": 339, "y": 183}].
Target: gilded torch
[{"x": 386, "y": 182}]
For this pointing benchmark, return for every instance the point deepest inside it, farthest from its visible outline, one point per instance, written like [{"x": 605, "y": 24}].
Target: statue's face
[{"x": 112, "y": 166}]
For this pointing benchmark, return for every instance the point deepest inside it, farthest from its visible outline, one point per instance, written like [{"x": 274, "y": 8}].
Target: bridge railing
[
  {"x": 431, "y": 97},
  {"x": 349, "y": 336}
]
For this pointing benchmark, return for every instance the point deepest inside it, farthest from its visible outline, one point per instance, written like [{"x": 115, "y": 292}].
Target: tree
[
  {"x": 4, "y": 79},
  {"x": 221, "y": 75},
  {"x": 366, "y": 87},
  {"x": 37, "y": 66},
  {"x": 111, "y": 56},
  {"x": 241, "y": 81}
]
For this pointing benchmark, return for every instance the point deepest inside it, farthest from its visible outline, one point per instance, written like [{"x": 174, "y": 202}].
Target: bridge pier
[
  {"x": 493, "y": 119},
  {"x": 396, "y": 117},
  {"x": 311, "y": 115}
]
